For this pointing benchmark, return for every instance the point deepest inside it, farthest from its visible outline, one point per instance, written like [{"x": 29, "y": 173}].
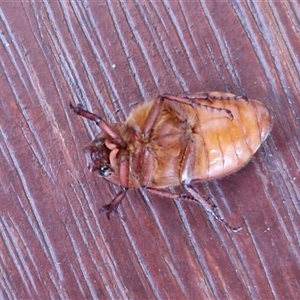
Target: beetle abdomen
[{"x": 227, "y": 144}]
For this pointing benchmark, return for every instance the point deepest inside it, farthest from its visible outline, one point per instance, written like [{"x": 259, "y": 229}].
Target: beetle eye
[{"x": 105, "y": 170}]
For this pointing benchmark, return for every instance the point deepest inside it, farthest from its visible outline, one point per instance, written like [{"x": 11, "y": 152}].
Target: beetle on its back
[{"x": 176, "y": 140}]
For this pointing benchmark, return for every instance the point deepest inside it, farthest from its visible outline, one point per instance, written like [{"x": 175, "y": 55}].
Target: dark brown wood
[{"x": 110, "y": 56}]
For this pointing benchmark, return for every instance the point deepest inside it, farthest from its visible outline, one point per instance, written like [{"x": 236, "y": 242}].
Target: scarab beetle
[{"x": 177, "y": 140}]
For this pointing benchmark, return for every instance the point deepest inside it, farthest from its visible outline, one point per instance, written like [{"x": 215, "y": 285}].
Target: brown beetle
[{"x": 176, "y": 140}]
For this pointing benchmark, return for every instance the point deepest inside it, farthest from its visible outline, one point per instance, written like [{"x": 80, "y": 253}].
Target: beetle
[{"x": 177, "y": 140}]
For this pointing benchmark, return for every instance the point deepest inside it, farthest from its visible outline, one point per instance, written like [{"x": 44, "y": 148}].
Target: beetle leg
[
  {"x": 152, "y": 116},
  {"x": 195, "y": 100},
  {"x": 188, "y": 162},
  {"x": 163, "y": 193},
  {"x": 147, "y": 168},
  {"x": 112, "y": 206},
  {"x": 123, "y": 174},
  {"x": 170, "y": 195},
  {"x": 104, "y": 126},
  {"x": 212, "y": 209},
  {"x": 209, "y": 96}
]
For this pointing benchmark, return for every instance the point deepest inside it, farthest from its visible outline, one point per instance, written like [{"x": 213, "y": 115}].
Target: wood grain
[{"x": 109, "y": 56}]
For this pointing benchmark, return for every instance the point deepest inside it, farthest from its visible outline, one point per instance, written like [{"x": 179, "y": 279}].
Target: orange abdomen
[{"x": 224, "y": 144}]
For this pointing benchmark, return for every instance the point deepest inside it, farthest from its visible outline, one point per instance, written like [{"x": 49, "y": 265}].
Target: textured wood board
[{"x": 109, "y": 56}]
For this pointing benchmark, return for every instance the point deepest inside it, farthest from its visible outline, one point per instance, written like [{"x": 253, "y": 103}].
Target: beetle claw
[
  {"x": 216, "y": 215},
  {"x": 109, "y": 209},
  {"x": 112, "y": 206},
  {"x": 106, "y": 208}
]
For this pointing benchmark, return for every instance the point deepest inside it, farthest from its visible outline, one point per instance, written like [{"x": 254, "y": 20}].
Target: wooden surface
[{"x": 109, "y": 56}]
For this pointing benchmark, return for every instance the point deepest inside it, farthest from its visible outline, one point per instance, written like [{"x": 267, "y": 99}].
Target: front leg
[
  {"x": 104, "y": 126},
  {"x": 123, "y": 175},
  {"x": 112, "y": 206}
]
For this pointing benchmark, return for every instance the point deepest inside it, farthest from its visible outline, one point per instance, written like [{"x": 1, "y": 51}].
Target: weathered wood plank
[{"x": 109, "y": 56}]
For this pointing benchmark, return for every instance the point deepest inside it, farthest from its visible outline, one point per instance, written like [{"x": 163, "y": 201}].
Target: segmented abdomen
[{"x": 225, "y": 144}]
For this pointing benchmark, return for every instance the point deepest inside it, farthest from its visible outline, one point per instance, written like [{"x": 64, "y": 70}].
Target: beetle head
[{"x": 97, "y": 156}]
